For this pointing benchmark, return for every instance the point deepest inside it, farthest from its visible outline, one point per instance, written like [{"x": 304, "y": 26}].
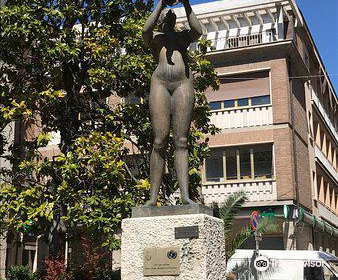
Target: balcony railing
[
  {"x": 232, "y": 42},
  {"x": 322, "y": 111},
  {"x": 326, "y": 163},
  {"x": 258, "y": 190},
  {"x": 242, "y": 117}
]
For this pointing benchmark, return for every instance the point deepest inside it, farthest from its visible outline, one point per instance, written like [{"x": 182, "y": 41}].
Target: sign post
[{"x": 254, "y": 221}]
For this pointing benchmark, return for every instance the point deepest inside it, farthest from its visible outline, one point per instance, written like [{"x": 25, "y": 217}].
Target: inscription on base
[
  {"x": 186, "y": 232},
  {"x": 161, "y": 261}
]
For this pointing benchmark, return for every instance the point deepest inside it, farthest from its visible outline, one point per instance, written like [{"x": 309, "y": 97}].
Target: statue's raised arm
[
  {"x": 196, "y": 30},
  {"x": 148, "y": 28}
]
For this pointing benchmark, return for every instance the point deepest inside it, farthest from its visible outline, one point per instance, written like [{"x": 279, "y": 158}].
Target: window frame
[
  {"x": 237, "y": 106},
  {"x": 238, "y": 165}
]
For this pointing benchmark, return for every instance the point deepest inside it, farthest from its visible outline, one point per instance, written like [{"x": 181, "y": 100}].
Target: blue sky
[{"x": 322, "y": 19}]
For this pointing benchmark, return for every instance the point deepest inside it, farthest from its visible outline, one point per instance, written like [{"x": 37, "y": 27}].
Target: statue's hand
[
  {"x": 170, "y": 2},
  {"x": 184, "y": 2}
]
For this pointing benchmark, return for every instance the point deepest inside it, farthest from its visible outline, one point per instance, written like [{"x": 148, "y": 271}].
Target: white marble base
[{"x": 200, "y": 259}]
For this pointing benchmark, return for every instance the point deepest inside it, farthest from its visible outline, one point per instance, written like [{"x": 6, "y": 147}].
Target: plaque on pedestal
[{"x": 161, "y": 261}]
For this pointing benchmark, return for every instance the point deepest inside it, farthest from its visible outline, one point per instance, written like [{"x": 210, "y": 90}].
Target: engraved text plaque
[
  {"x": 161, "y": 261},
  {"x": 186, "y": 232}
]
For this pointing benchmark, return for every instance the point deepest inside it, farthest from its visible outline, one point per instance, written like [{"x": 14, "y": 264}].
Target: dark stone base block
[{"x": 172, "y": 210}]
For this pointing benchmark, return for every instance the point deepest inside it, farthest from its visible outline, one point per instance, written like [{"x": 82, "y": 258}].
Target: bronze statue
[{"x": 172, "y": 92}]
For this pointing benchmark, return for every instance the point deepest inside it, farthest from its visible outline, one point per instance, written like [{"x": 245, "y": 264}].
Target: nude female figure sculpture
[{"x": 171, "y": 94}]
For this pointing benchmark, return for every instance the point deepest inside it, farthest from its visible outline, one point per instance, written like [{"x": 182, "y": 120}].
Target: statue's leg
[
  {"x": 159, "y": 102},
  {"x": 182, "y": 104}
]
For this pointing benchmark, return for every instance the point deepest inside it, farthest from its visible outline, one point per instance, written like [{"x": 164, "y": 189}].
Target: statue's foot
[{"x": 188, "y": 201}]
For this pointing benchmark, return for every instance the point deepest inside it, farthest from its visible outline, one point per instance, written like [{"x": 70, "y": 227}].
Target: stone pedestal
[{"x": 200, "y": 258}]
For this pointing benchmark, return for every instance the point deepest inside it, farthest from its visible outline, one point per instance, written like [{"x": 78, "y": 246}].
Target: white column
[
  {"x": 3, "y": 256},
  {"x": 290, "y": 242},
  {"x": 280, "y": 23}
]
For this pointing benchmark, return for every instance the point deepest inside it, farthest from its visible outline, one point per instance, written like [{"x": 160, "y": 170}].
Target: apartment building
[{"x": 277, "y": 111}]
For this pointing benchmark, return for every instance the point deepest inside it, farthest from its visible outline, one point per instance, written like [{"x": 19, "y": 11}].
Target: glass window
[
  {"x": 245, "y": 163},
  {"x": 231, "y": 165},
  {"x": 215, "y": 105},
  {"x": 328, "y": 274},
  {"x": 243, "y": 102},
  {"x": 260, "y": 100},
  {"x": 263, "y": 162},
  {"x": 214, "y": 167},
  {"x": 334, "y": 266},
  {"x": 229, "y": 103},
  {"x": 132, "y": 100},
  {"x": 312, "y": 273}
]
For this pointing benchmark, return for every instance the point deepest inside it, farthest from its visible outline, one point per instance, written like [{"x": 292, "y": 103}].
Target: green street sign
[
  {"x": 267, "y": 214},
  {"x": 286, "y": 211},
  {"x": 301, "y": 213}
]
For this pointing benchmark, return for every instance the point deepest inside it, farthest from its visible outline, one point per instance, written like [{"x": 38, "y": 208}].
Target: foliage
[
  {"x": 266, "y": 225},
  {"x": 227, "y": 213},
  {"x": 20, "y": 273},
  {"x": 230, "y": 208},
  {"x": 60, "y": 60},
  {"x": 94, "y": 264},
  {"x": 55, "y": 270}
]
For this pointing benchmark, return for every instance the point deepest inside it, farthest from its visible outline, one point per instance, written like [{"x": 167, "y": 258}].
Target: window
[
  {"x": 328, "y": 274},
  {"x": 245, "y": 163},
  {"x": 231, "y": 165},
  {"x": 229, "y": 103},
  {"x": 215, "y": 105},
  {"x": 241, "y": 163},
  {"x": 312, "y": 273},
  {"x": 214, "y": 167},
  {"x": 243, "y": 102},
  {"x": 132, "y": 100},
  {"x": 263, "y": 162},
  {"x": 260, "y": 100},
  {"x": 241, "y": 86}
]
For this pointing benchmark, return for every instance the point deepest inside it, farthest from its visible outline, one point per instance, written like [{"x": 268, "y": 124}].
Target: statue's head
[{"x": 167, "y": 20}]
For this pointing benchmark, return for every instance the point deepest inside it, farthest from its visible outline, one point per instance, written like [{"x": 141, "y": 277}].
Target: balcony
[
  {"x": 242, "y": 117},
  {"x": 324, "y": 115},
  {"x": 257, "y": 190},
  {"x": 326, "y": 213},
  {"x": 232, "y": 42},
  {"x": 326, "y": 163},
  {"x": 243, "y": 40},
  {"x": 231, "y": 169}
]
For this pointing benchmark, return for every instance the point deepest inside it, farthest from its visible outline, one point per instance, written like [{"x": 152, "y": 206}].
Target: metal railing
[
  {"x": 248, "y": 40},
  {"x": 232, "y": 42}
]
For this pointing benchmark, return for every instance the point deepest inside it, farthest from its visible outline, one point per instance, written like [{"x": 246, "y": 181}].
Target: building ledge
[
  {"x": 324, "y": 116},
  {"x": 250, "y": 49},
  {"x": 327, "y": 214},
  {"x": 327, "y": 166}
]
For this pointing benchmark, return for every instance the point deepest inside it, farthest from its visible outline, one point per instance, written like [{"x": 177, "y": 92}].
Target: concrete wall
[
  {"x": 9, "y": 136},
  {"x": 3, "y": 253}
]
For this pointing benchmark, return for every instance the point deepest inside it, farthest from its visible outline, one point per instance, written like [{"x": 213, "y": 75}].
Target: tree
[
  {"x": 227, "y": 212},
  {"x": 61, "y": 60}
]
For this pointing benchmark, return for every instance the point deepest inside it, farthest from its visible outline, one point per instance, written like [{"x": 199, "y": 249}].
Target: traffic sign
[{"x": 254, "y": 220}]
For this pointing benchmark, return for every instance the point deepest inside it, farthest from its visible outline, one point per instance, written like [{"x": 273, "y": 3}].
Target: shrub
[
  {"x": 107, "y": 275},
  {"x": 55, "y": 270},
  {"x": 20, "y": 272},
  {"x": 95, "y": 264}
]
